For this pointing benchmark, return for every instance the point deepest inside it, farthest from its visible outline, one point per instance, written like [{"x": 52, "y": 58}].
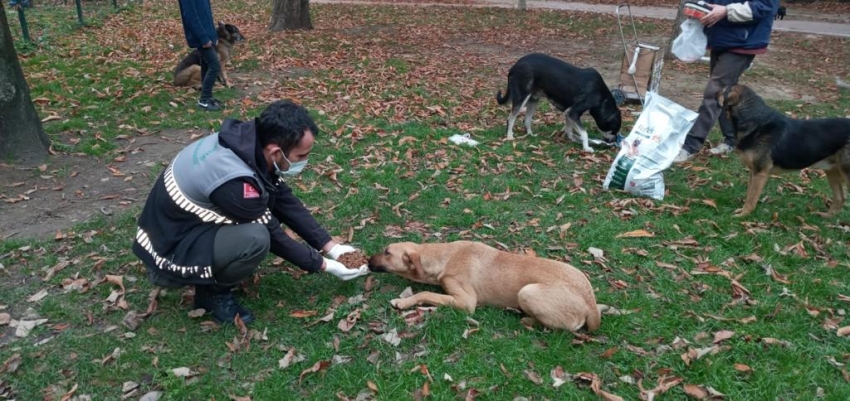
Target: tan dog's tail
[{"x": 593, "y": 319}]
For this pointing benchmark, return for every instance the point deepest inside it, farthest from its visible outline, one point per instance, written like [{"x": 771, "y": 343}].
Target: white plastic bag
[
  {"x": 690, "y": 45},
  {"x": 650, "y": 148}
]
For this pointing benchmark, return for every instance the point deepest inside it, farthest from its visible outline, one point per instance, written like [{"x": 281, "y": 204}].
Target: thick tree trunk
[
  {"x": 680, "y": 16},
  {"x": 290, "y": 14},
  {"x": 22, "y": 137},
  {"x": 523, "y": 5}
]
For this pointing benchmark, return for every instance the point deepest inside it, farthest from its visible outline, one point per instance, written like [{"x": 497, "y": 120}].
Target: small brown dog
[
  {"x": 188, "y": 71},
  {"x": 553, "y": 293},
  {"x": 770, "y": 142}
]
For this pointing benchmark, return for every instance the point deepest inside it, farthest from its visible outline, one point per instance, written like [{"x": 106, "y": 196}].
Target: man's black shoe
[
  {"x": 222, "y": 306},
  {"x": 209, "y": 104}
]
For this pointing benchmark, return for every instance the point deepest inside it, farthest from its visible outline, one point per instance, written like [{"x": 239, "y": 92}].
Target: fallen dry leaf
[
  {"x": 723, "y": 335},
  {"x": 132, "y": 320},
  {"x": 151, "y": 396},
  {"x": 773, "y": 341},
  {"x": 317, "y": 367},
  {"x": 843, "y": 331},
  {"x": 743, "y": 368},
  {"x": 609, "y": 353},
  {"x": 596, "y": 386},
  {"x": 664, "y": 383},
  {"x": 289, "y": 359},
  {"x": 11, "y": 365},
  {"x": 596, "y": 252},
  {"x": 38, "y": 296},
  {"x": 636, "y": 234},
  {"x": 5, "y": 318},
  {"x": 406, "y": 293},
  {"x": 392, "y": 337},
  {"x": 182, "y": 372},
  {"x": 196, "y": 313},
  {"x": 70, "y": 393},
  {"x": 300, "y": 314},
  {"x": 533, "y": 376},
  {"x": 695, "y": 391},
  {"x": 23, "y": 327}
]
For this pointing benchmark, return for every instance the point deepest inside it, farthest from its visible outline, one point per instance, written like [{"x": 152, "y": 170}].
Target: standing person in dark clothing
[
  {"x": 215, "y": 213},
  {"x": 199, "y": 28},
  {"x": 736, "y": 32}
]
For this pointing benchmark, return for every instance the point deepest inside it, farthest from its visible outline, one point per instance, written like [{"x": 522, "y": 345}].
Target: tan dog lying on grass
[{"x": 553, "y": 293}]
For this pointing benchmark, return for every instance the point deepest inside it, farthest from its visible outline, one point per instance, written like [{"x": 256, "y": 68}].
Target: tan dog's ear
[{"x": 414, "y": 262}]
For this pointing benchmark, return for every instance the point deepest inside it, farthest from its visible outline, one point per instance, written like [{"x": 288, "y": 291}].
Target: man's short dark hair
[{"x": 283, "y": 123}]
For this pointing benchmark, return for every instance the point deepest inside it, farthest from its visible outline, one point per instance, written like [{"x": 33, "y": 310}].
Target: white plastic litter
[
  {"x": 650, "y": 148},
  {"x": 690, "y": 45},
  {"x": 463, "y": 140}
]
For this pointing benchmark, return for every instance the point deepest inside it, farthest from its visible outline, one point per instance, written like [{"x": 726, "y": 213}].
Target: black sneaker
[
  {"x": 222, "y": 306},
  {"x": 209, "y": 104}
]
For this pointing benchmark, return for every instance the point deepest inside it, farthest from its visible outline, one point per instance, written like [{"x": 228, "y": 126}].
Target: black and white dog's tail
[{"x": 499, "y": 98}]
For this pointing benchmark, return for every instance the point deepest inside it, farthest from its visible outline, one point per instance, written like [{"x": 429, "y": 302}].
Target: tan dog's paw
[
  {"x": 399, "y": 303},
  {"x": 742, "y": 213}
]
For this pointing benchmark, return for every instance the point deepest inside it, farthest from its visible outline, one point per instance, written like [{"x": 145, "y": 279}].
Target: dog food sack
[{"x": 650, "y": 148}]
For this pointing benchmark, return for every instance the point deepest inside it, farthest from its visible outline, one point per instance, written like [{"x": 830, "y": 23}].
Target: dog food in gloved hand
[
  {"x": 352, "y": 260},
  {"x": 650, "y": 148}
]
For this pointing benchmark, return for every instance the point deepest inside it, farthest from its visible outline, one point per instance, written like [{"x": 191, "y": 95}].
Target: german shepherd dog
[
  {"x": 188, "y": 72},
  {"x": 572, "y": 90},
  {"x": 768, "y": 142}
]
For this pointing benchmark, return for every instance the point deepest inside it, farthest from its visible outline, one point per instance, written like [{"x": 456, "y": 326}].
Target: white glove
[
  {"x": 339, "y": 250},
  {"x": 342, "y": 272}
]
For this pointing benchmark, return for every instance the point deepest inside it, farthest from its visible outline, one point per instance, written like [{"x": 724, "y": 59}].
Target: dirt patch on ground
[{"x": 69, "y": 189}]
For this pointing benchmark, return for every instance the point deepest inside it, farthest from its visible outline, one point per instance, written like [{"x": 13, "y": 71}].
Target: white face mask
[{"x": 294, "y": 168}]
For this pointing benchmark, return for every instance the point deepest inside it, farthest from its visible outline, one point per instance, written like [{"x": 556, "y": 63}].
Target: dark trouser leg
[
  {"x": 726, "y": 68},
  {"x": 237, "y": 252},
  {"x": 210, "y": 69}
]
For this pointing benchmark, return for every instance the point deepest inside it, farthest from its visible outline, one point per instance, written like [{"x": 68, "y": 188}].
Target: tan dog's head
[{"x": 401, "y": 258}]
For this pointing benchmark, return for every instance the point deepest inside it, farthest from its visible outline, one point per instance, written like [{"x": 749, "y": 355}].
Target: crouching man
[{"x": 215, "y": 213}]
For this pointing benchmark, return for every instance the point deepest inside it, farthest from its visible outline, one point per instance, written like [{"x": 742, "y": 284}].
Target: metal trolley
[{"x": 641, "y": 68}]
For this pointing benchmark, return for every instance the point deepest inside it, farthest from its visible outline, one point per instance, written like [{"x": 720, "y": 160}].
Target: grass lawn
[{"x": 750, "y": 308}]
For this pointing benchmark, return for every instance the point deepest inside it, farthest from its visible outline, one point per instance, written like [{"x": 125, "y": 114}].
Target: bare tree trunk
[
  {"x": 680, "y": 16},
  {"x": 290, "y": 14},
  {"x": 22, "y": 137},
  {"x": 522, "y": 5}
]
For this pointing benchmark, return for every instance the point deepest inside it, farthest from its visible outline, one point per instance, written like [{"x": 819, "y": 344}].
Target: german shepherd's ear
[
  {"x": 220, "y": 24},
  {"x": 728, "y": 97},
  {"x": 414, "y": 262}
]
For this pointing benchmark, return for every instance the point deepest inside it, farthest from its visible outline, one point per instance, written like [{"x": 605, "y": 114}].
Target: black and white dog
[{"x": 570, "y": 89}]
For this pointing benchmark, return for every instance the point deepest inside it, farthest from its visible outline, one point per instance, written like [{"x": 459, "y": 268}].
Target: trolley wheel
[{"x": 619, "y": 96}]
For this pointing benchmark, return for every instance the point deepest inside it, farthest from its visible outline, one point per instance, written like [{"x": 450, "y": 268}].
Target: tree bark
[
  {"x": 290, "y": 14},
  {"x": 680, "y": 16},
  {"x": 22, "y": 137},
  {"x": 523, "y": 5}
]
